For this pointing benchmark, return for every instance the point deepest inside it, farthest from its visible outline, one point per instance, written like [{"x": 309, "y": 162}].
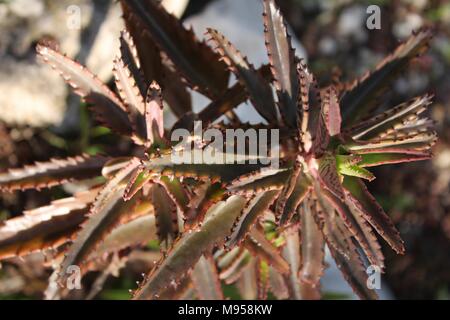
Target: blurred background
[{"x": 39, "y": 118}]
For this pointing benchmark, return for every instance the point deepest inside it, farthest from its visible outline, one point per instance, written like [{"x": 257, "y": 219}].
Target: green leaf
[{"x": 351, "y": 166}]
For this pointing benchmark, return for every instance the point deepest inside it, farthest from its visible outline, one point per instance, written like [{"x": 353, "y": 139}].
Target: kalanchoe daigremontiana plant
[{"x": 264, "y": 229}]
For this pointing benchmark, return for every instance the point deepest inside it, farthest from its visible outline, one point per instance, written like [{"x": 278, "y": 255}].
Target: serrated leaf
[
  {"x": 291, "y": 252},
  {"x": 154, "y": 114},
  {"x": 135, "y": 232},
  {"x": 131, "y": 96},
  {"x": 232, "y": 270},
  {"x": 260, "y": 181},
  {"x": 139, "y": 179},
  {"x": 147, "y": 52},
  {"x": 106, "y": 106},
  {"x": 255, "y": 208},
  {"x": 52, "y": 173},
  {"x": 356, "y": 225},
  {"x": 277, "y": 285},
  {"x": 247, "y": 283},
  {"x": 205, "y": 197},
  {"x": 231, "y": 99},
  {"x": 373, "y": 212},
  {"x": 344, "y": 252},
  {"x": 258, "y": 245},
  {"x": 321, "y": 137},
  {"x": 202, "y": 171},
  {"x": 357, "y": 171},
  {"x": 187, "y": 250},
  {"x": 372, "y": 241},
  {"x": 329, "y": 176},
  {"x": 326, "y": 218},
  {"x": 312, "y": 253},
  {"x": 350, "y": 165},
  {"x": 391, "y": 119},
  {"x": 104, "y": 215},
  {"x": 310, "y": 101},
  {"x": 382, "y": 158},
  {"x": 194, "y": 59},
  {"x": 360, "y": 98},
  {"x": 262, "y": 278},
  {"x": 44, "y": 227},
  {"x": 166, "y": 215},
  {"x": 113, "y": 166},
  {"x": 258, "y": 89},
  {"x": 332, "y": 112},
  {"x": 301, "y": 190},
  {"x": 286, "y": 191},
  {"x": 153, "y": 68},
  {"x": 206, "y": 280},
  {"x": 283, "y": 62},
  {"x": 130, "y": 56},
  {"x": 354, "y": 273},
  {"x": 176, "y": 191},
  {"x": 420, "y": 141}
]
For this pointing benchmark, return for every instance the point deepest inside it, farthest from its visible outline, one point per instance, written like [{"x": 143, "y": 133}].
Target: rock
[
  {"x": 410, "y": 22},
  {"x": 176, "y": 7},
  {"x": 352, "y": 22},
  {"x": 27, "y": 8},
  {"x": 32, "y": 94}
]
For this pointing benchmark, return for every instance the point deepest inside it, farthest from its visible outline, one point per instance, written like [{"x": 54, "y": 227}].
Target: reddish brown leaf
[
  {"x": 52, "y": 173},
  {"x": 283, "y": 62}
]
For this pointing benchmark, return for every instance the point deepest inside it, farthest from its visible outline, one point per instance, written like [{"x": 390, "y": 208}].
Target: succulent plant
[{"x": 263, "y": 228}]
